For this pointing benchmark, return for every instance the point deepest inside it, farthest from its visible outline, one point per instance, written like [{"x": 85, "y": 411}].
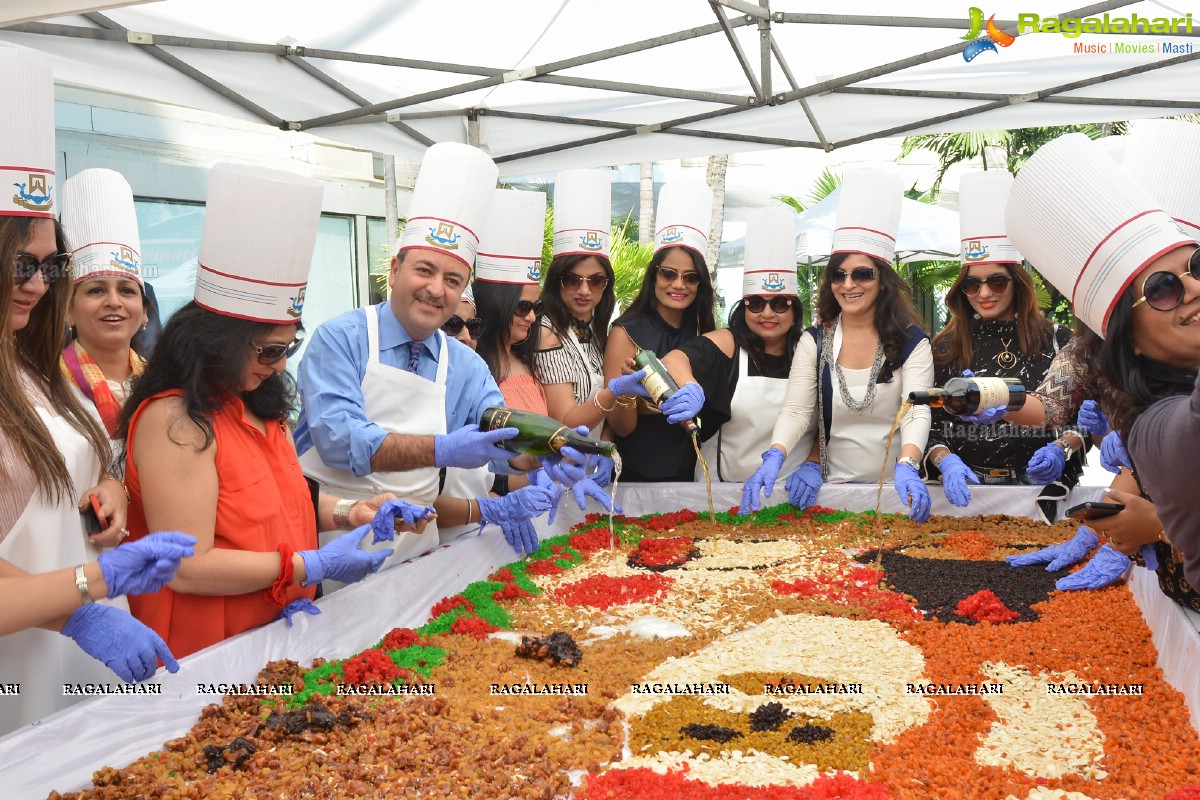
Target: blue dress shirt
[{"x": 330, "y": 381}]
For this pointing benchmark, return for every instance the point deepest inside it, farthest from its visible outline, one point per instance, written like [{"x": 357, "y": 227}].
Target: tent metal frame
[{"x": 760, "y": 79}]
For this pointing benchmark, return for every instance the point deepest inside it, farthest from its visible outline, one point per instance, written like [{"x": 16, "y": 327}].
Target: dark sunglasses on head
[
  {"x": 997, "y": 284},
  {"x": 1163, "y": 291},
  {"x": 525, "y": 306},
  {"x": 756, "y": 303},
  {"x": 26, "y": 266},
  {"x": 858, "y": 275},
  {"x": 670, "y": 275},
  {"x": 456, "y": 323},
  {"x": 573, "y": 281},
  {"x": 270, "y": 353}
]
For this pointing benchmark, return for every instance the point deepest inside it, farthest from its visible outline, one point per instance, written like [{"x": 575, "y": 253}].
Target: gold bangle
[
  {"x": 626, "y": 401},
  {"x": 469, "y": 510},
  {"x": 110, "y": 477},
  {"x": 603, "y": 410}
]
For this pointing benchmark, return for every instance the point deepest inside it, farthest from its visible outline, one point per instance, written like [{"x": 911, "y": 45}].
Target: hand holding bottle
[
  {"x": 469, "y": 448},
  {"x": 984, "y": 416},
  {"x": 684, "y": 404},
  {"x": 631, "y": 384}
]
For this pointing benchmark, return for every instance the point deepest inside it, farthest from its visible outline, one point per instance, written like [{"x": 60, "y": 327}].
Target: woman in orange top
[{"x": 207, "y": 448}]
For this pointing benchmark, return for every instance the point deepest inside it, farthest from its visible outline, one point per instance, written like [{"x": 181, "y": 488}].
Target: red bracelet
[{"x": 277, "y": 594}]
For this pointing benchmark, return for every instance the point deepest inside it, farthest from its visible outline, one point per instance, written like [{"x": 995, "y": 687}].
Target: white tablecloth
[{"x": 62, "y": 751}]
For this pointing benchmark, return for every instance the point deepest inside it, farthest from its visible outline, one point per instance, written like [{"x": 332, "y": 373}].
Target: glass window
[{"x": 379, "y": 258}]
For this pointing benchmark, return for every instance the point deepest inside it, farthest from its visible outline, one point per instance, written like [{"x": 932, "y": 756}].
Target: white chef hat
[
  {"x": 1161, "y": 157},
  {"x": 450, "y": 201},
  {"x": 981, "y": 200},
  {"x": 868, "y": 214},
  {"x": 260, "y": 229},
  {"x": 1113, "y": 146},
  {"x": 101, "y": 225},
  {"x": 1086, "y": 225},
  {"x": 684, "y": 215},
  {"x": 582, "y": 212},
  {"x": 770, "y": 262},
  {"x": 27, "y": 145},
  {"x": 510, "y": 247}
]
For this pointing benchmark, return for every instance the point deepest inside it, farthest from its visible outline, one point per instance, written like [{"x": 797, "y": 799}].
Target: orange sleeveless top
[
  {"x": 524, "y": 393},
  {"x": 263, "y": 502}
]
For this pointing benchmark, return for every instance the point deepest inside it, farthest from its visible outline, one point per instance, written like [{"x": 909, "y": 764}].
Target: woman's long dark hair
[
  {"x": 557, "y": 311},
  {"x": 35, "y": 350},
  {"x": 952, "y": 346},
  {"x": 495, "y": 304},
  {"x": 205, "y": 354},
  {"x": 894, "y": 312},
  {"x": 699, "y": 314},
  {"x": 1128, "y": 384},
  {"x": 752, "y": 343}
]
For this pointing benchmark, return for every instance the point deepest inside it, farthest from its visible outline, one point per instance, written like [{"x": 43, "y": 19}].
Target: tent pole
[{"x": 391, "y": 219}]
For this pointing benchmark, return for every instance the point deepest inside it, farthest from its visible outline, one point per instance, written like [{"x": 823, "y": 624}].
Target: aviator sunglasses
[
  {"x": 858, "y": 274},
  {"x": 997, "y": 284},
  {"x": 26, "y": 266},
  {"x": 573, "y": 281},
  {"x": 456, "y": 323},
  {"x": 523, "y": 308},
  {"x": 756, "y": 303},
  {"x": 270, "y": 353},
  {"x": 1163, "y": 291},
  {"x": 670, "y": 275}
]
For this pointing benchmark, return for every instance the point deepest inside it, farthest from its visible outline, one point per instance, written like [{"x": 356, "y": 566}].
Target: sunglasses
[
  {"x": 997, "y": 284},
  {"x": 669, "y": 275},
  {"x": 525, "y": 306},
  {"x": 573, "y": 281},
  {"x": 270, "y": 353},
  {"x": 1163, "y": 291},
  {"x": 26, "y": 266},
  {"x": 756, "y": 303},
  {"x": 858, "y": 275},
  {"x": 456, "y": 323}
]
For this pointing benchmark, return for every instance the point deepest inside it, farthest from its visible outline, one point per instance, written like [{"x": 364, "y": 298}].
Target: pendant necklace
[{"x": 1006, "y": 359}]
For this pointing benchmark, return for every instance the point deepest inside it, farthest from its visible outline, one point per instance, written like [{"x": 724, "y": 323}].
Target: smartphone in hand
[
  {"x": 93, "y": 520},
  {"x": 1086, "y": 511}
]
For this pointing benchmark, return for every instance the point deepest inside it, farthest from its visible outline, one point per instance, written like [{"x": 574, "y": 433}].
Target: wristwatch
[
  {"x": 1066, "y": 447},
  {"x": 910, "y": 461}
]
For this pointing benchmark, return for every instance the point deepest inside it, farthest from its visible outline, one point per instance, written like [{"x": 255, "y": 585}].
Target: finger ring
[{"x": 122, "y": 534}]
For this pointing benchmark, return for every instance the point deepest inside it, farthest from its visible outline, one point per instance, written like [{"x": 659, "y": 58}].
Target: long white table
[{"x": 62, "y": 751}]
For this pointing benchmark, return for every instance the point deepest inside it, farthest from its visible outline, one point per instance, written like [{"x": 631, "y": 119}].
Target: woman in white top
[{"x": 849, "y": 377}]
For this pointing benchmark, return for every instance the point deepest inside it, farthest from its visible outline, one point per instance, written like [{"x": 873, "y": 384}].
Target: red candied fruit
[
  {"x": 372, "y": 667},
  {"x": 591, "y": 541},
  {"x": 985, "y": 606},
  {"x": 674, "y": 785},
  {"x": 605, "y": 591},
  {"x": 449, "y": 604},
  {"x": 400, "y": 638},
  {"x": 472, "y": 626},
  {"x": 547, "y": 567},
  {"x": 510, "y": 592},
  {"x": 1189, "y": 792}
]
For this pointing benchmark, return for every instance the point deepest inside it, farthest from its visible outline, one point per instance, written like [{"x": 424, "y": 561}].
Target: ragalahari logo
[{"x": 993, "y": 36}]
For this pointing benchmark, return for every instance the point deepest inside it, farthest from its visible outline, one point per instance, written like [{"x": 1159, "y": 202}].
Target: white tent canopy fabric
[
  {"x": 548, "y": 84},
  {"x": 926, "y": 233}
]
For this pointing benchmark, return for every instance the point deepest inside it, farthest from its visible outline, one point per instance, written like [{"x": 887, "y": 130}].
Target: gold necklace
[{"x": 1006, "y": 359}]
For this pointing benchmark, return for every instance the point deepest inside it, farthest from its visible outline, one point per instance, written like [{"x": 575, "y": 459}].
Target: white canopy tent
[
  {"x": 548, "y": 84},
  {"x": 926, "y": 233}
]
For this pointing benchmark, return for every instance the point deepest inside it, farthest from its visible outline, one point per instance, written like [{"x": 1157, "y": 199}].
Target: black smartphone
[
  {"x": 93, "y": 521},
  {"x": 1087, "y": 511}
]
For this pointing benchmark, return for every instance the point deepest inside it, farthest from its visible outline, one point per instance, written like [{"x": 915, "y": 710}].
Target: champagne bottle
[
  {"x": 964, "y": 396},
  {"x": 659, "y": 383},
  {"x": 539, "y": 435}
]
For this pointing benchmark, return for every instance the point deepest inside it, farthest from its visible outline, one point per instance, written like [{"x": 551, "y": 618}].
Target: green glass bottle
[
  {"x": 539, "y": 435},
  {"x": 659, "y": 383}
]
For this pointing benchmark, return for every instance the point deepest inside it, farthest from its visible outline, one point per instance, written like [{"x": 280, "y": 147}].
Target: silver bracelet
[
  {"x": 341, "y": 514},
  {"x": 81, "y": 583}
]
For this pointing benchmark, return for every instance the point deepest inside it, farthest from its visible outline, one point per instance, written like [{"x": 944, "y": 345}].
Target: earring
[{"x": 976, "y": 315}]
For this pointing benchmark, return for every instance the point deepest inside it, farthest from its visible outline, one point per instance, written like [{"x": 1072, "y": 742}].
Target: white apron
[
  {"x": 739, "y": 444},
  {"x": 48, "y": 537},
  {"x": 468, "y": 484},
  {"x": 398, "y": 401}
]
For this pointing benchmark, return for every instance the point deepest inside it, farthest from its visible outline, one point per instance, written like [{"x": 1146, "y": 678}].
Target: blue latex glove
[
  {"x": 557, "y": 490},
  {"x": 1092, "y": 419},
  {"x": 1059, "y": 556},
  {"x": 569, "y": 466},
  {"x": 123, "y": 644},
  {"x": 295, "y": 607},
  {"x": 1107, "y": 566},
  {"x": 803, "y": 485},
  {"x": 1113, "y": 454},
  {"x": 523, "y": 504},
  {"x": 146, "y": 565},
  {"x": 342, "y": 560},
  {"x": 521, "y": 536},
  {"x": 763, "y": 480},
  {"x": 625, "y": 385},
  {"x": 1047, "y": 463},
  {"x": 955, "y": 477},
  {"x": 384, "y": 524},
  {"x": 912, "y": 493},
  {"x": 602, "y": 471},
  {"x": 985, "y": 416},
  {"x": 469, "y": 448},
  {"x": 1149, "y": 556},
  {"x": 589, "y": 488},
  {"x": 684, "y": 404}
]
